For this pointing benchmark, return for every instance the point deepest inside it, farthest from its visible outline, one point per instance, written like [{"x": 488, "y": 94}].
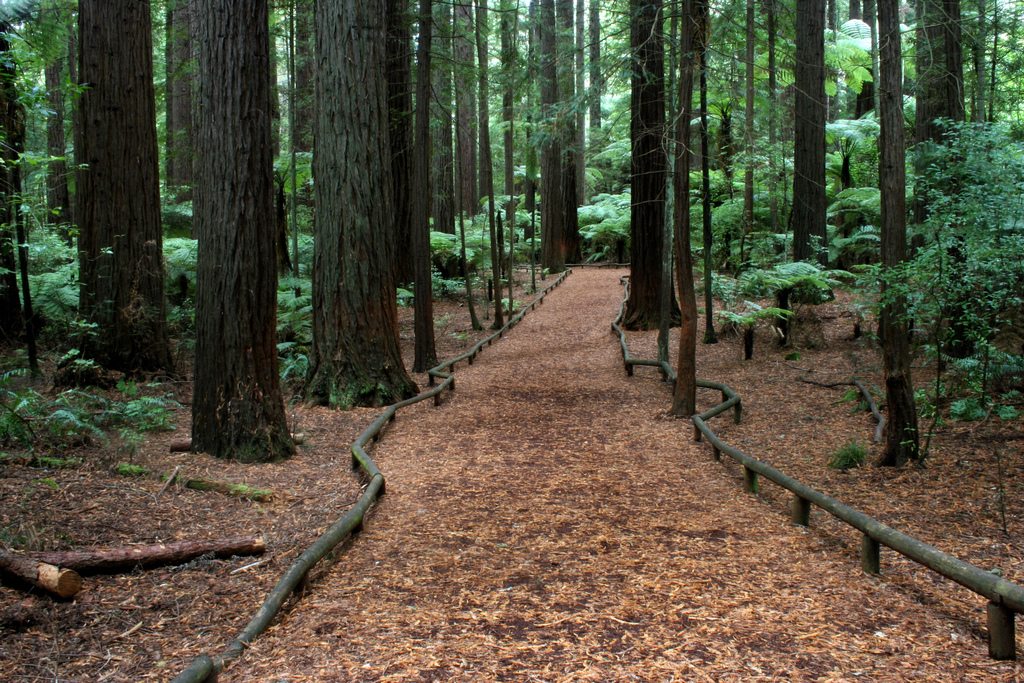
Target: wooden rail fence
[
  {"x": 1005, "y": 598},
  {"x": 206, "y": 667}
]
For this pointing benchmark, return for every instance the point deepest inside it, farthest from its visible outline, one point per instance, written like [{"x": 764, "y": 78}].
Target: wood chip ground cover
[{"x": 548, "y": 522}]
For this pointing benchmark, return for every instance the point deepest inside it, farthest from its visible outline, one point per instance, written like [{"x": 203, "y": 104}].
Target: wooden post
[
  {"x": 629, "y": 369},
  {"x": 1001, "y": 637},
  {"x": 738, "y": 412},
  {"x": 870, "y": 561},
  {"x": 697, "y": 436},
  {"x": 715, "y": 453},
  {"x": 749, "y": 480},
  {"x": 801, "y": 511}
]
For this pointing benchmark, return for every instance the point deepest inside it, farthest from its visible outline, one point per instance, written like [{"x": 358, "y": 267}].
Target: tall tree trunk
[
  {"x": 703, "y": 19},
  {"x": 978, "y": 44},
  {"x": 237, "y": 408},
  {"x": 809, "y": 237},
  {"x": 901, "y": 443},
  {"x": 509, "y": 30},
  {"x": 553, "y": 203},
  {"x": 567, "y": 93},
  {"x": 684, "y": 396},
  {"x": 443, "y": 175},
  {"x": 773, "y": 106},
  {"x": 486, "y": 164},
  {"x": 649, "y": 165},
  {"x": 596, "y": 81},
  {"x": 425, "y": 353},
  {"x": 12, "y": 126},
  {"x": 179, "y": 65},
  {"x": 400, "y": 117},
  {"x": 465, "y": 93},
  {"x": 748, "y": 135},
  {"x": 118, "y": 191},
  {"x": 305, "y": 74},
  {"x": 58, "y": 197},
  {"x": 581, "y": 112},
  {"x": 355, "y": 358}
]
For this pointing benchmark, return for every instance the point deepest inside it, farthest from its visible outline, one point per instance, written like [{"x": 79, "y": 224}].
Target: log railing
[
  {"x": 1005, "y": 597},
  {"x": 206, "y": 667}
]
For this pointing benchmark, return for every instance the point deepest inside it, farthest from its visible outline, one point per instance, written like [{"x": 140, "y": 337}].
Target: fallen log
[
  {"x": 229, "y": 489},
  {"x": 114, "y": 560},
  {"x": 59, "y": 581}
]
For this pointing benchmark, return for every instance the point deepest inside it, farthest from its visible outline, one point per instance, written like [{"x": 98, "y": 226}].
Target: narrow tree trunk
[
  {"x": 684, "y": 397},
  {"x": 978, "y": 107},
  {"x": 465, "y": 93},
  {"x": 12, "y": 127},
  {"x": 596, "y": 81},
  {"x": 425, "y": 353},
  {"x": 581, "y": 112},
  {"x": 443, "y": 175},
  {"x": 866, "y": 97},
  {"x": 58, "y": 197},
  {"x": 509, "y": 30},
  {"x": 773, "y": 105},
  {"x": 113, "y": 560},
  {"x": 305, "y": 74},
  {"x": 486, "y": 164},
  {"x": 748, "y": 135},
  {"x": 118, "y": 191},
  {"x": 237, "y": 407},
  {"x": 179, "y": 65},
  {"x": 704, "y": 29},
  {"x": 355, "y": 358},
  {"x": 809, "y": 237},
  {"x": 901, "y": 442}
]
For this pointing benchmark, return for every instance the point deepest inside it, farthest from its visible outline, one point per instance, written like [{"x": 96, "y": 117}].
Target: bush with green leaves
[
  {"x": 748, "y": 317},
  {"x": 604, "y": 227}
]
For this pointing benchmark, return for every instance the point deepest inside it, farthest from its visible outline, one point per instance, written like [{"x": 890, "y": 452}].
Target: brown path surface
[{"x": 549, "y": 523}]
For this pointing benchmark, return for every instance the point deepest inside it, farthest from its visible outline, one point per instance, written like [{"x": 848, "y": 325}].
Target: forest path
[{"x": 548, "y": 522}]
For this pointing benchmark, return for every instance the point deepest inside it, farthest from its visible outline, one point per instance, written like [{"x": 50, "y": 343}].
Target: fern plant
[{"x": 748, "y": 318}]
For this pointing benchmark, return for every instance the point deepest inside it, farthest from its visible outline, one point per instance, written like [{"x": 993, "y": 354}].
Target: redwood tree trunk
[
  {"x": 118, "y": 191},
  {"x": 425, "y": 354},
  {"x": 553, "y": 204},
  {"x": 443, "y": 166},
  {"x": 595, "y": 64},
  {"x": 566, "y": 48},
  {"x": 237, "y": 408},
  {"x": 12, "y": 125},
  {"x": 649, "y": 165},
  {"x": 465, "y": 92},
  {"x": 58, "y": 198},
  {"x": 902, "y": 442},
  {"x": 400, "y": 117},
  {"x": 809, "y": 135},
  {"x": 684, "y": 397},
  {"x": 355, "y": 358},
  {"x": 486, "y": 166}
]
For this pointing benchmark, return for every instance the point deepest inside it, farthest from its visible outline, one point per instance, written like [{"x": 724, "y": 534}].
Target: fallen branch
[
  {"x": 59, "y": 581},
  {"x": 868, "y": 398},
  {"x": 170, "y": 480},
  {"x": 229, "y": 489},
  {"x": 114, "y": 560}
]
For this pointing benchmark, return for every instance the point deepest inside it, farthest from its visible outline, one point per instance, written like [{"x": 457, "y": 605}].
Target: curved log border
[
  {"x": 206, "y": 667},
  {"x": 1005, "y": 597}
]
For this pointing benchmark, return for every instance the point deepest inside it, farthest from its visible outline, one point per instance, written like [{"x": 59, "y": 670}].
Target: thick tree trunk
[
  {"x": 237, "y": 408},
  {"x": 809, "y": 237},
  {"x": 649, "y": 166},
  {"x": 566, "y": 48},
  {"x": 425, "y": 353},
  {"x": 179, "y": 64},
  {"x": 553, "y": 203},
  {"x": 59, "y": 581},
  {"x": 684, "y": 397},
  {"x": 356, "y": 358},
  {"x": 773, "y": 103},
  {"x": 118, "y": 191},
  {"x": 509, "y": 31},
  {"x": 901, "y": 443},
  {"x": 443, "y": 166},
  {"x": 486, "y": 165},
  {"x": 114, "y": 560},
  {"x": 581, "y": 112},
  {"x": 465, "y": 93},
  {"x": 400, "y": 117}
]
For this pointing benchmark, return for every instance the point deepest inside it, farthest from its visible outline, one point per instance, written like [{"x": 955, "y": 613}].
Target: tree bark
[
  {"x": 901, "y": 442},
  {"x": 443, "y": 175},
  {"x": 703, "y": 18},
  {"x": 553, "y": 203},
  {"x": 305, "y": 74},
  {"x": 465, "y": 92},
  {"x": 566, "y": 48},
  {"x": 59, "y": 581},
  {"x": 581, "y": 112},
  {"x": 684, "y": 396},
  {"x": 12, "y": 126},
  {"x": 425, "y": 353},
  {"x": 748, "y": 134},
  {"x": 58, "y": 197},
  {"x": 114, "y": 560},
  {"x": 355, "y": 358},
  {"x": 596, "y": 81},
  {"x": 400, "y": 118},
  {"x": 486, "y": 165},
  {"x": 118, "y": 191},
  {"x": 237, "y": 407},
  {"x": 809, "y": 237},
  {"x": 649, "y": 167}
]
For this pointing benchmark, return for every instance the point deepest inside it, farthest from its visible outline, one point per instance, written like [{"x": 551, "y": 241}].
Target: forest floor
[{"x": 547, "y": 522}]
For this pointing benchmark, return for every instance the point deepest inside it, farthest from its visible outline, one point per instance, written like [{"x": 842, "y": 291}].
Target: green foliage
[
  {"x": 848, "y": 457},
  {"x": 604, "y": 227},
  {"x": 752, "y": 313},
  {"x": 808, "y": 282},
  {"x": 177, "y": 220}
]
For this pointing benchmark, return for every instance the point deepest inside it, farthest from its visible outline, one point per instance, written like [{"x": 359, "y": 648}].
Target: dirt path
[{"x": 549, "y": 523}]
